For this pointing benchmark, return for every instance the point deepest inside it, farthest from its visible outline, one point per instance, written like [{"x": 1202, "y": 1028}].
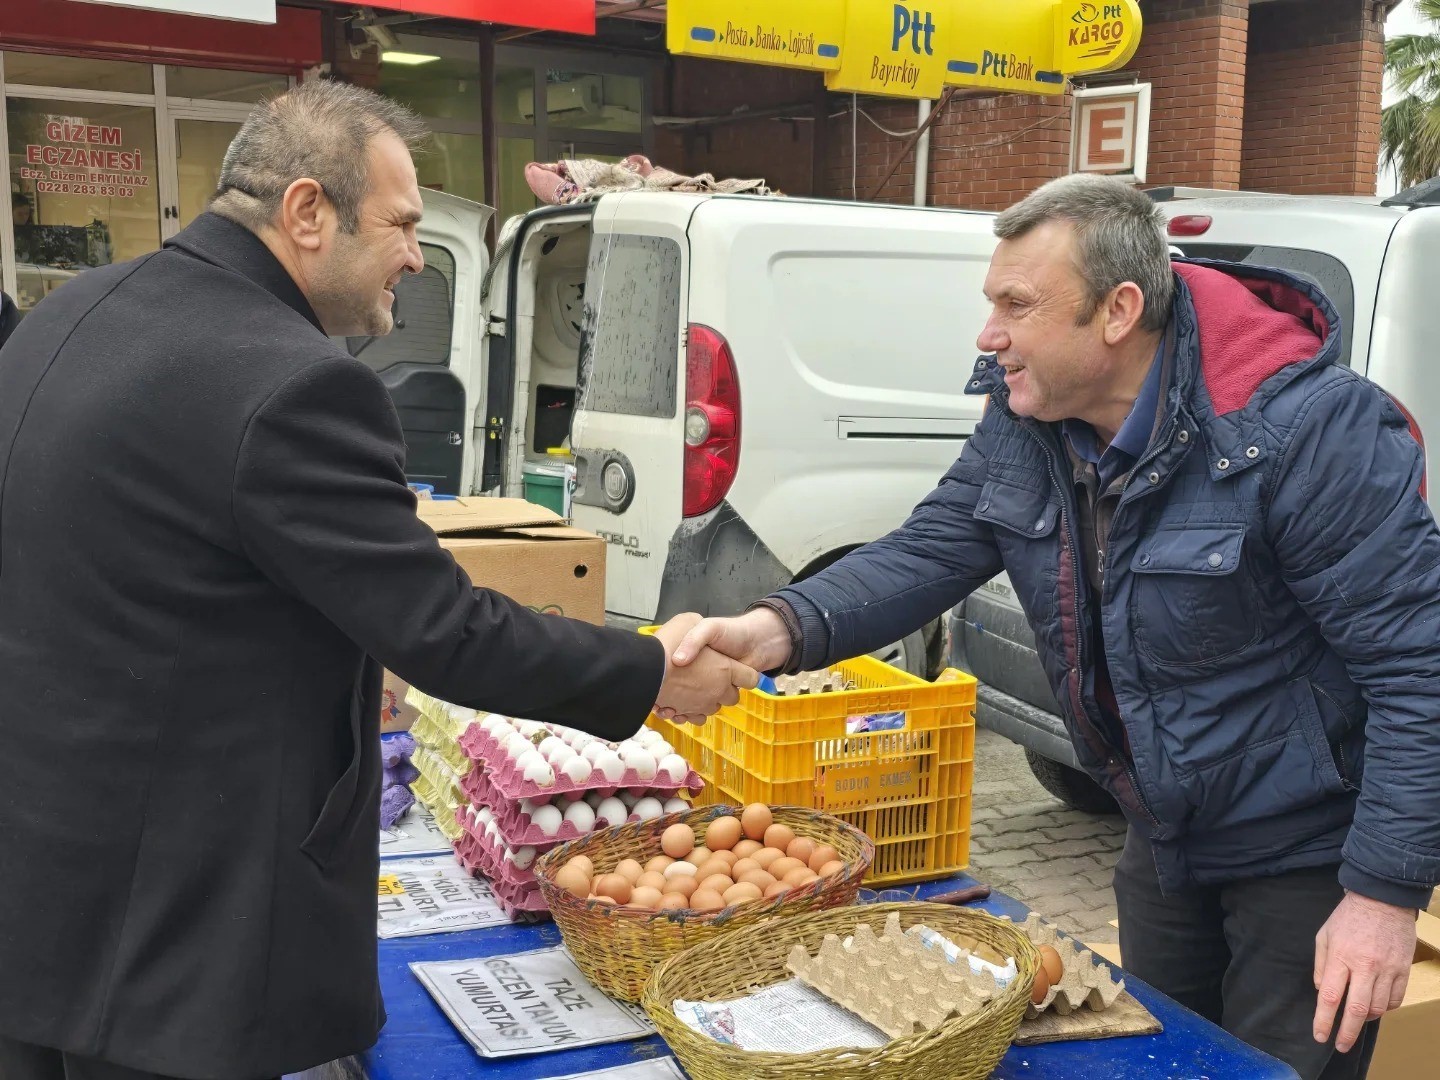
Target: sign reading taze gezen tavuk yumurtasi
[{"x": 916, "y": 48}]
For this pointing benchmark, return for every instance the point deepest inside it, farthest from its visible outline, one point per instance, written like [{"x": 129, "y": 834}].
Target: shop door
[{"x": 199, "y": 144}]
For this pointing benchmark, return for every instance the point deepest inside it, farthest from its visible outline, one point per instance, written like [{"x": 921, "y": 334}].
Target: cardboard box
[
  {"x": 1406, "y": 1047},
  {"x": 525, "y": 551},
  {"x": 395, "y": 714}
]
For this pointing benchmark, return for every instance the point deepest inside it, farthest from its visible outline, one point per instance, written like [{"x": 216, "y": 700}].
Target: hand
[
  {"x": 758, "y": 639},
  {"x": 692, "y": 692},
  {"x": 1369, "y": 945}
]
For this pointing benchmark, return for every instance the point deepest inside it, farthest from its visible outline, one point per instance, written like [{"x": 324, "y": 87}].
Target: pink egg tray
[
  {"x": 521, "y": 903},
  {"x": 517, "y": 829},
  {"x": 511, "y": 783},
  {"x": 492, "y": 861}
]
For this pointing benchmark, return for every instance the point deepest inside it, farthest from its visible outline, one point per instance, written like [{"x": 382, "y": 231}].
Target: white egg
[
  {"x": 540, "y": 772},
  {"x": 528, "y": 758},
  {"x": 547, "y": 819},
  {"x": 579, "y": 740},
  {"x": 629, "y": 798},
  {"x": 560, "y": 755},
  {"x": 522, "y": 858},
  {"x": 581, "y": 816},
  {"x": 643, "y": 762},
  {"x": 592, "y": 751},
  {"x": 516, "y": 744},
  {"x": 648, "y": 809},
  {"x": 674, "y": 767},
  {"x": 492, "y": 721},
  {"x": 680, "y": 869},
  {"x": 613, "y": 811},
  {"x": 676, "y": 806},
  {"x": 577, "y": 770},
  {"x": 610, "y": 764},
  {"x": 529, "y": 728},
  {"x": 527, "y": 806},
  {"x": 548, "y": 744}
]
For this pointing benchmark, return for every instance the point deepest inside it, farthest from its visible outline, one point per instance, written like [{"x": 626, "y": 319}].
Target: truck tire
[
  {"x": 910, "y": 653},
  {"x": 1071, "y": 786}
]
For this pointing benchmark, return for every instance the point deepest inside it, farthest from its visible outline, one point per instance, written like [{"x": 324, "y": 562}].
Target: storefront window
[
  {"x": 214, "y": 84},
  {"x": 514, "y": 95},
  {"x": 442, "y": 87},
  {"x": 454, "y": 163},
  {"x": 35, "y": 69},
  {"x": 84, "y": 189},
  {"x": 515, "y": 194},
  {"x": 200, "y": 147}
]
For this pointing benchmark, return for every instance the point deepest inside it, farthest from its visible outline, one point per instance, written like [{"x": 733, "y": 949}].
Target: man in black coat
[
  {"x": 9, "y": 318},
  {"x": 207, "y": 553}
]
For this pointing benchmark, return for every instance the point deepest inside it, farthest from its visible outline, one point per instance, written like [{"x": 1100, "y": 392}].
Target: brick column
[
  {"x": 1193, "y": 52},
  {"x": 1312, "y": 102}
]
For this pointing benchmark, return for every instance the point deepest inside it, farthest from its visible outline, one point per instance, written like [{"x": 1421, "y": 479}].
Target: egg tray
[
  {"x": 518, "y": 829},
  {"x": 892, "y": 980},
  {"x": 510, "y": 782},
  {"x": 493, "y": 861},
  {"x": 1086, "y": 982},
  {"x": 432, "y": 739},
  {"x": 521, "y": 903},
  {"x": 451, "y": 720}
]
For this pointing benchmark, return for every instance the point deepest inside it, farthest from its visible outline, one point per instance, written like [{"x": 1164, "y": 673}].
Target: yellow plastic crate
[{"x": 907, "y": 789}]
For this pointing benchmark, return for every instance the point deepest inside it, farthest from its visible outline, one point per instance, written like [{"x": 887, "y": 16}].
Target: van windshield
[
  {"x": 1320, "y": 268},
  {"x": 630, "y": 350}
]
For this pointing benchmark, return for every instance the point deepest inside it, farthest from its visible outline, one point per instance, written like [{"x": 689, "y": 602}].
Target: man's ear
[
  {"x": 305, "y": 213},
  {"x": 1122, "y": 312}
]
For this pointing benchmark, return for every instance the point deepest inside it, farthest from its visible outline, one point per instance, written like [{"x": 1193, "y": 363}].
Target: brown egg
[
  {"x": 821, "y": 856},
  {"x": 800, "y": 877},
  {"x": 1050, "y": 961},
  {"x": 780, "y": 868},
  {"x": 758, "y": 878},
  {"x": 700, "y": 855},
  {"x": 630, "y": 870},
  {"x": 778, "y": 889},
  {"x": 766, "y": 856},
  {"x": 744, "y": 866},
  {"x": 674, "y": 902},
  {"x": 830, "y": 869},
  {"x": 646, "y": 897},
  {"x": 616, "y": 886},
  {"x": 683, "y": 886},
  {"x": 779, "y": 836},
  {"x": 573, "y": 880},
  {"x": 659, "y": 862},
  {"x": 651, "y": 879},
  {"x": 729, "y": 858},
  {"x": 714, "y": 866},
  {"x": 755, "y": 819},
  {"x": 802, "y": 847},
  {"x": 706, "y": 900},
  {"x": 1041, "y": 987},
  {"x": 717, "y": 883},
  {"x": 723, "y": 833},
  {"x": 746, "y": 848},
  {"x": 582, "y": 862},
  {"x": 677, "y": 841},
  {"x": 742, "y": 893}
]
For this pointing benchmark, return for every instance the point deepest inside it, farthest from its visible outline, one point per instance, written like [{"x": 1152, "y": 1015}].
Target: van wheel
[
  {"x": 1071, "y": 786},
  {"x": 908, "y": 654}
]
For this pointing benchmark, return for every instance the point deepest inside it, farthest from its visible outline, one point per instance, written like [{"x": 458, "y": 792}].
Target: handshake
[{"x": 708, "y": 661}]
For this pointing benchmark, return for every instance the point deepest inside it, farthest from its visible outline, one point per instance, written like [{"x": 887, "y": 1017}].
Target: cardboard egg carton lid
[
  {"x": 1086, "y": 982},
  {"x": 894, "y": 980}
]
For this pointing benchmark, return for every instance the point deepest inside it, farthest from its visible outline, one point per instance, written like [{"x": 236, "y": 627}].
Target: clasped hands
[{"x": 708, "y": 661}]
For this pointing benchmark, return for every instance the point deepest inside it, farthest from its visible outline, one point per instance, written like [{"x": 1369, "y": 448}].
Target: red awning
[{"x": 569, "y": 16}]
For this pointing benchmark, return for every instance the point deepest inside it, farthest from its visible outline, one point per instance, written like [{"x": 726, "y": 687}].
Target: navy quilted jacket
[{"x": 1271, "y": 599}]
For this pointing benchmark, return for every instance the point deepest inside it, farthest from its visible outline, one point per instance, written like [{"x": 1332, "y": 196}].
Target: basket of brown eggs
[{"x": 627, "y": 897}]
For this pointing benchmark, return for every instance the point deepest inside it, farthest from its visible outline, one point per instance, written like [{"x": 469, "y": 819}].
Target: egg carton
[
  {"x": 494, "y": 856},
  {"x": 519, "y": 829},
  {"x": 430, "y": 739},
  {"x": 510, "y": 781},
  {"x": 894, "y": 980},
  {"x": 1086, "y": 981},
  {"x": 450, "y": 720},
  {"x": 437, "y": 803},
  {"x": 521, "y": 903}
]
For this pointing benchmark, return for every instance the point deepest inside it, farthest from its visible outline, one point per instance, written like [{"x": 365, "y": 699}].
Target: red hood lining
[{"x": 1249, "y": 329}]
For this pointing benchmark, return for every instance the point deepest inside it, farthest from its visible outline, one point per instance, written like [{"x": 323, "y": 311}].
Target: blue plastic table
[{"x": 419, "y": 1043}]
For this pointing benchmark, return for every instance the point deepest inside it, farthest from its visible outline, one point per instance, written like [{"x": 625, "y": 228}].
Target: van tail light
[
  {"x": 712, "y": 421},
  {"x": 1419, "y": 438},
  {"x": 1190, "y": 225}
]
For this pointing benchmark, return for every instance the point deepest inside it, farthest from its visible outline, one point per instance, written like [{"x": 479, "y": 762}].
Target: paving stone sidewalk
[{"x": 1027, "y": 843}]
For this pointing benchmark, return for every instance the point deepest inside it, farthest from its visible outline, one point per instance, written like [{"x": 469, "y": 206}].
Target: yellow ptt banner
[{"x": 915, "y": 48}]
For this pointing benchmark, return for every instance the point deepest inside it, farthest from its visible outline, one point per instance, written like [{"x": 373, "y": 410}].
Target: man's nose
[
  {"x": 993, "y": 337},
  {"x": 414, "y": 257}
]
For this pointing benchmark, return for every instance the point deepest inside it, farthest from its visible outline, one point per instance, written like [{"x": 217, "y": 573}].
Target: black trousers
[
  {"x": 25, "y": 1061},
  {"x": 1242, "y": 955}
]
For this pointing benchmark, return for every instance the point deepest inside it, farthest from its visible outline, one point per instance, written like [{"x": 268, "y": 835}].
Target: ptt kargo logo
[{"x": 1088, "y": 13}]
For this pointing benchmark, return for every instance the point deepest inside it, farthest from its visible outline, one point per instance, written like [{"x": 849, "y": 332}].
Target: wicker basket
[
  {"x": 962, "y": 1048},
  {"x": 617, "y": 947}
]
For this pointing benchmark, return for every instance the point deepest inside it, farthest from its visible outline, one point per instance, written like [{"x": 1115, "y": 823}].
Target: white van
[
  {"x": 751, "y": 387},
  {"x": 1374, "y": 259}
]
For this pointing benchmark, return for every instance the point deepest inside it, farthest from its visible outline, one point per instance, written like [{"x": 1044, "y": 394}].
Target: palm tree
[{"x": 1410, "y": 128}]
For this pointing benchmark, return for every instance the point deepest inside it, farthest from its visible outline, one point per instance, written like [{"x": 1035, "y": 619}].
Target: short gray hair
[
  {"x": 1119, "y": 237},
  {"x": 320, "y": 130}
]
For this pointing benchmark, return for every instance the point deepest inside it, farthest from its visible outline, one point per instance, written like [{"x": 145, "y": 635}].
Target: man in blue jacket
[{"x": 1217, "y": 533}]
